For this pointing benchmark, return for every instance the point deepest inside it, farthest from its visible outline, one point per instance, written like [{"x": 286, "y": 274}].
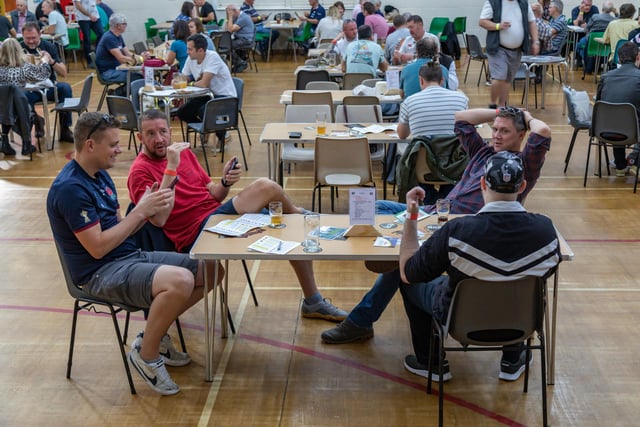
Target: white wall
[{"x": 137, "y": 11}]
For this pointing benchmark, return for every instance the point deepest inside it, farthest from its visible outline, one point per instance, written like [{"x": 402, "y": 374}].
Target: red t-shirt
[{"x": 193, "y": 202}]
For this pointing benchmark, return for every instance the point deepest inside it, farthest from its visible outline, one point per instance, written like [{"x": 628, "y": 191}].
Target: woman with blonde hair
[
  {"x": 331, "y": 25},
  {"x": 16, "y": 71}
]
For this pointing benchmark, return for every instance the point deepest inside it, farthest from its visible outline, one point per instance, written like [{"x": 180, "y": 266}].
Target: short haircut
[
  {"x": 117, "y": 18},
  {"x": 427, "y": 48},
  {"x": 399, "y": 20},
  {"x": 199, "y": 41},
  {"x": 153, "y": 114},
  {"x": 347, "y": 22},
  {"x": 415, "y": 18},
  {"x": 89, "y": 124},
  {"x": 369, "y": 7},
  {"x": 339, "y": 4},
  {"x": 431, "y": 72},
  {"x": 515, "y": 115},
  {"x": 627, "y": 53},
  {"x": 32, "y": 26},
  {"x": 627, "y": 10},
  {"x": 607, "y": 7},
  {"x": 364, "y": 32},
  {"x": 557, "y": 4}
]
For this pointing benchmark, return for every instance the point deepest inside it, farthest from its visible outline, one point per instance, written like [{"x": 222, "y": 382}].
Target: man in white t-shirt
[
  {"x": 349, "y": 34},
  {"x": 57, "y": 24},
  {"x": 511, "y": 30},
  {"x": 207, "y": 70}
]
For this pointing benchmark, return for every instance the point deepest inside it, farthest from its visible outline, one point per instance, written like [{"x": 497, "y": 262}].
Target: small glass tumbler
[{"x": 311, "y": 240}]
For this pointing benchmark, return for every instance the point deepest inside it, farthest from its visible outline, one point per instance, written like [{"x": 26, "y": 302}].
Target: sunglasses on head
[
  {"x": 515, "y": 113},
  {"x": 106, "y": 119}
]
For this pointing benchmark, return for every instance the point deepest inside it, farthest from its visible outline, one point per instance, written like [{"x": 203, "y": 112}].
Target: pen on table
[{"x": 279, "y": 245}]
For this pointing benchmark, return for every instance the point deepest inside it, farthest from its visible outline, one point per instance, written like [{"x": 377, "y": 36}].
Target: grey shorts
[
  {"x": 504, "y": 64},
  {"x": 128, "y": 280}
]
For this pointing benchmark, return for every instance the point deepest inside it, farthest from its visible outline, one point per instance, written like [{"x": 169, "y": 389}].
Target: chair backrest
[
  {"x": 474, "y": 47},
  {"x": 487, "y": 313},
  {"x": 157, "y": 40},
  {"x": 342, "y": 156},
  {"x": 347, "y": 113},
  {"x": 615, "y": 124},
  {"x": 437, "y": 25},
  {"x": 361, "y": 100},
  {"x": 322, "y": 86},
  {"x": 615, "y": 52},
  {"x": 460, "y": 24},
  {"x": 85, "y": 95},
  {"x": 304, "y": 113},
  {"x": 136, "y": 85},
  {"x": 74, "y": 38},
  {"x": 122, "y": 108},
  {"x": 74, "y": 290},
  {"x": 222, "y": 41},
  {"x": 313, "y": 98},
  {"x": 571, "y": 110},
  {"x": 305, "y": 76},
  {"x": 593, "y": 47},
  {"x": 239, "y": 84},
  {"x": 351, "y": 80},
  {"x": 220, "y": 114},
  {"x": 92, "y": 56},
  {"x": 371, "y": 82},
  {"x": 139, "y": 47},
  {"x": 150, "y": 32}
]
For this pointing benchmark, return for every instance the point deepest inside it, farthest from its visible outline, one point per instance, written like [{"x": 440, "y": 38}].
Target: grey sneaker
[
  {"x": 323, "y": 310},
  {"x": 510, "y": 371},
  {"x": 346, "y": 331},
  {"x": 412, "y": 365},
  {"x": 168, "y": 351},
  {"x": 154, "y": 374}
]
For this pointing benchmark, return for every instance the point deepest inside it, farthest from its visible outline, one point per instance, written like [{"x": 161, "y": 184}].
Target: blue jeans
[
  {"x": 86, "y": 27},
  {"x": 119, "y": 76},
  {"x": 64, "y": 92},
  {"x": 370, "y": 308}
]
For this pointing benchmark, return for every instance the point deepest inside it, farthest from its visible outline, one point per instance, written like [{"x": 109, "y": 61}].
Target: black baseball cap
[{"x": 504, "y": 172}]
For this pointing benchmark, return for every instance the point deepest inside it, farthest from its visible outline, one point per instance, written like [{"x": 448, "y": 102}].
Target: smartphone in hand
[
  {"x": 234, "y": 164},
  {"x": 174, "y": 182}
]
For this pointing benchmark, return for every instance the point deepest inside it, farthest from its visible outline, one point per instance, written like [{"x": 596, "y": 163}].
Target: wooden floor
[{"x": 276, "y": 371}]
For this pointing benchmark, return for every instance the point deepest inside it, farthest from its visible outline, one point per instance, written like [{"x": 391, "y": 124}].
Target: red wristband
[
  {"x": 170, "y": 172},
  {"x": 413, "y": 216}
]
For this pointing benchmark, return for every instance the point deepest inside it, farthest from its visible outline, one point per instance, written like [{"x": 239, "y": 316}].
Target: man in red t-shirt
[{"x": 196, "y": 197}]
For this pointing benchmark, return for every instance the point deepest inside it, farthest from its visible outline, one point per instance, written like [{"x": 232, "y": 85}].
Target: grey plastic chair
[
  {"x": 576, "y": 124},
  {"x": 123, "y": 109},
  {"x": 305, "y": 76},
  {"x": 351, "y": 80},
  {"x": 322, "y": 86},
  {"x": 106, "y": 85},
  {"x": 80, "y": 107},
  {"x": 239, "y": 84},
  {"x": 613, "y": 125},
  {"x": 84, "y": 301},
  {"x": 486, "y": 315},
  {"x": 476, "y": 53}
]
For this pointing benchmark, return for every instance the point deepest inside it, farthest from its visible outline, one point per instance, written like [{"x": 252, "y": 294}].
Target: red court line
[{"x": 304, "y": 350}]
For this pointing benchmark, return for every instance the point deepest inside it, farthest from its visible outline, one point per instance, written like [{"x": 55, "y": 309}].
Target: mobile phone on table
[{"x": 174, "y": 182}]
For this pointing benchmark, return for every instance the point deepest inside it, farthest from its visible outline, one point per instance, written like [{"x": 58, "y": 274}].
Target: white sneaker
[
  {"x": 154, "y": 374},
  {"x": 168, "y": 351}
]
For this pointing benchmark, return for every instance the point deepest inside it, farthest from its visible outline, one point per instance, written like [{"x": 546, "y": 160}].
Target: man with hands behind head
[{"x": 197, "y": 197}]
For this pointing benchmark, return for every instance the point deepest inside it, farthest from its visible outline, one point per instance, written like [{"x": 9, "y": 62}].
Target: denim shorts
[{"x": 128, "y": 279}]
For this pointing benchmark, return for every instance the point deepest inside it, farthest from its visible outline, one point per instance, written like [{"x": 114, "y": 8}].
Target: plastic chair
[
  {"x": 351, "y": 80},
  {"x": 521, "y": 74},
  {"x": 613, "y": 125},
  {"x": 322, "y": 86},
  {"x": 362, "y": 100},
  {"x": 353, "y": 110},
  {"x": 340, "y": 162},
  {"x": 74, "y": 43},
  {"x": 122, "y": 108},
  {"x": 220, "y": 114},
  {"x": 474, "y": 49},
  {"x": 84, "y": 301},
  {"x": 598, "y": 50},
  {"x": 460, "y": 26},
  {"x": 222, "y": 42},
  {"x": 485, "y": 315},
  {"x": 305, "y": 76},
  {"x": 615, "y": 52},
  {"x": 80, "y": 107},
  {"x": 139, "y": 47},
  {"x": 302, "y": 38},
  {"x": 239, "y": 84},
  {"x": 135, "y": 87},
  {"x": 106, "y": 85},
  {"x": 250, "y": 51},
  {"x": 292, "y": 152},
  {"x": 437, "y": 25},
  {"x": 576, "y": 124},
  {"x": 314, "y": 98}
]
